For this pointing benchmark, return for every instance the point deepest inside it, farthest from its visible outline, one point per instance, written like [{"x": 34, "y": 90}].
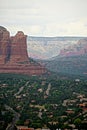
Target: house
[
  {"x": 70, "y": 111},
  {"x": 24, "y": 128},
  {"x": 83, "y": 106}
]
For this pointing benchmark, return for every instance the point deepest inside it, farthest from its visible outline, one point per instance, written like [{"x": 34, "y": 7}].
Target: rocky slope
[{"x": 14, "y": 57}]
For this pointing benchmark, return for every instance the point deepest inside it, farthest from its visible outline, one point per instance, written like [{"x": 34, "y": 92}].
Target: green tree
[{"x": 77, "y": 122}]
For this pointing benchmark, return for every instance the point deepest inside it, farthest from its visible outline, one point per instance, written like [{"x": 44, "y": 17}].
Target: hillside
[
  {"x": 72, "y": 58},
  {"x": 75, "y": 65}
]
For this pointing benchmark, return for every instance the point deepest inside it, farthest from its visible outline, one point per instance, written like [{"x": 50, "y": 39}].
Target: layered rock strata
[
  {"x": 79, "y": 49},
  {"x": 14, "y": 57}
]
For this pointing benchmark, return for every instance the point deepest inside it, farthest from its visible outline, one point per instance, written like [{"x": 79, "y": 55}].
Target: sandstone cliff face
[
  {"x": 18, "y": 48},
  {"x": 14, "y": 57},
  {"x": 4, "y": 45}
]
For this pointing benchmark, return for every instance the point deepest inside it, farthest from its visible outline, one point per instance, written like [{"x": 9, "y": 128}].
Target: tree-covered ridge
[
  {"x": 72, "y": 65},
  {"x": 44, "y": 102}
]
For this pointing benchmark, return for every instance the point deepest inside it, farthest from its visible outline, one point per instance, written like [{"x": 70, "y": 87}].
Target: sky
[{"x": 45, "y": 17}]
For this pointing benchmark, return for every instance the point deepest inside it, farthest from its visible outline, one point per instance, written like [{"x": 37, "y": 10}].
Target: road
[
  {"x": 21, "y": 89},
  {"x": 12, "y": 126},
  {"x": 48, "y": 89}
]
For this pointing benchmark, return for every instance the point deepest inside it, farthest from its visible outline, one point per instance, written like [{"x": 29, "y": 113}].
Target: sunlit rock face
[{"x": 14, "y": 57}]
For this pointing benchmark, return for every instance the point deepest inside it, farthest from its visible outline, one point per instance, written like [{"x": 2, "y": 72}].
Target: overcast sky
[{"x": 45, "y": 17}]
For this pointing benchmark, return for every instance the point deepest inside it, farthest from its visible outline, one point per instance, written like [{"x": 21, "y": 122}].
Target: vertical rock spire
[
  {"x": 19, "y": 48},
  {"x": 14, "y": 56}
]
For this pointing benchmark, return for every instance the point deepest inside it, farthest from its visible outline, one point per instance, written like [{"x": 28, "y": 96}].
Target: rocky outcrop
[
  {"x": 14, "y": 57},
  {"x": 18, "y": 48}
]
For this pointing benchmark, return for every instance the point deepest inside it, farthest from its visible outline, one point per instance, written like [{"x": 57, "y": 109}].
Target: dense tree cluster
[{"x": 43, "y": 101}]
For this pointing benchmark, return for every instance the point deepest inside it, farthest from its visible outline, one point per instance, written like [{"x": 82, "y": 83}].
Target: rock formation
[
  {"x": 14, "y": 57},
  {"x": 18, "y": 48},
  {"x": 79, "y": 49},
  {"x": 4, "y": 45}
]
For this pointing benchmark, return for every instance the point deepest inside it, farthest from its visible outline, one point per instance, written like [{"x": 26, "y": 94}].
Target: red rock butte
[{"x": 14, "y": 57}]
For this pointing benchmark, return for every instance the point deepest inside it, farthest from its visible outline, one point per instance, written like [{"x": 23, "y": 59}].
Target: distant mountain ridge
[
  {"x": 74, "y": 50},
  {"x": 72, "y": 60},
  {"x": 72, "y": 56},
  {"x": 48, "y": 47}
]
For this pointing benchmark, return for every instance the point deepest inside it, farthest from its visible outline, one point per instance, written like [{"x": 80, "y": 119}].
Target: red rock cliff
[
  {"x": 14, "y": 57},
  {"x": 18, "y": 48},
  {"x": 4, "y": 45}
]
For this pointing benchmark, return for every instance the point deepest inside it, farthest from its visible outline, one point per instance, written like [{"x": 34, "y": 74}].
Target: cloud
[
  {"x": 70, "y": 28},
  {"x": 45, "y": 17},
  {"x": 35, "y": 29}
]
